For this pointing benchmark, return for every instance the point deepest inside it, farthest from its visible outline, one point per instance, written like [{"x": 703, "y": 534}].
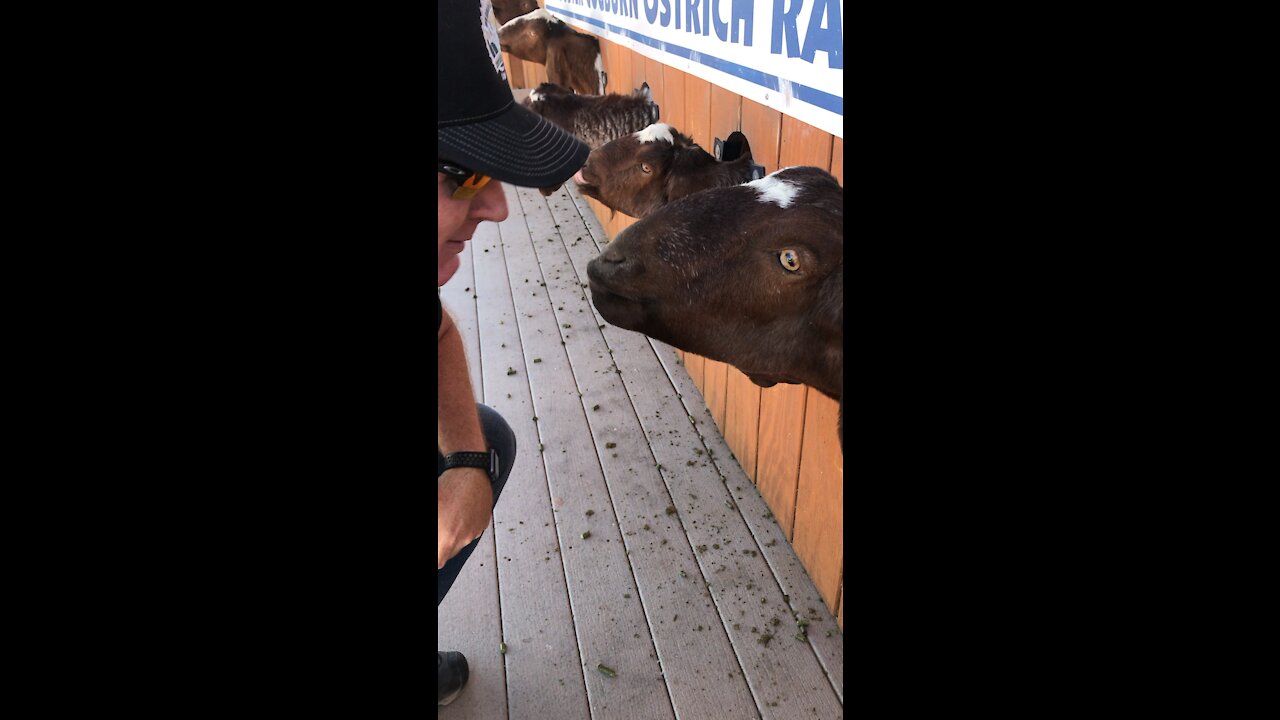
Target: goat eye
[
  {"x": 645, "y": 168},
  {"x": 790, "y": 259}
]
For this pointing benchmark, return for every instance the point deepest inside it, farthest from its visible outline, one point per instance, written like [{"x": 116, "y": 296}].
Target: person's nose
[{"x": 490, "y": 203}]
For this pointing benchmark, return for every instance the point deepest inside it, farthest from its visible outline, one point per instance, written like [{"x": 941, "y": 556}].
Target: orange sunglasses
[{"x": 469, "y": 183}]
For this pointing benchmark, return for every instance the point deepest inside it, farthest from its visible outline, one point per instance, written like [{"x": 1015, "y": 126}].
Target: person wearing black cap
[{"x": 484, "y": 138}]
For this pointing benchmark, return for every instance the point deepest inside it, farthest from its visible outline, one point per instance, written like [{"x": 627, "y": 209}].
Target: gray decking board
[
  {"x": 786, "y": 678},
  {"x": 611, "y": 628},
  {"x": 791, "y": 575},
  {"x": 696, "y": 659},
  {"x": 468, "y": 617},
  {"x": 542, "y": 664},
  {"x": 580, "y": 608},
  {"x": 772, "y": 541}
]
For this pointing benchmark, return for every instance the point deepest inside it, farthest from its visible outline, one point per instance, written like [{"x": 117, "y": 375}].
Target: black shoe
[{"x": 451, "y": 676}]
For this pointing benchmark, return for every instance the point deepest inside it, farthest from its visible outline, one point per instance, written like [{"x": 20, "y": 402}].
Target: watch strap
[{"x": 487, "y": 461}]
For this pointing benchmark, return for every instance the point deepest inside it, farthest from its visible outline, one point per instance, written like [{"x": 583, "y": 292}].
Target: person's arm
[{"x": 464, "y": 499}]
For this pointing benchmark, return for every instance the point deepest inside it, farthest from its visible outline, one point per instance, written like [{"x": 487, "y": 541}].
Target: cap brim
[{"x": 516, "y": 146}]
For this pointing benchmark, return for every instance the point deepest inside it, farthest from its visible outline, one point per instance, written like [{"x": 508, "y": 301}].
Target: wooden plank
[
  {"x": 697, "y": 110},
  {"x": 840, "y": 617},
  {"x": 803, "y": 144},
  {"x": 714, "y": 389},
  {"x": 763, "y": 127},
  {"x": 515, "y": 70},
  {"x": 773, "y": 544},
  {"x": 697, "y": 660},
  {"x": 785, "y": 677},
  {"x": 672, "y": 108},
  {"x": 639, "y": 70},
  {"x": 799, "y": 590},
  {"x": 655, "y": 75},
  {"x": 694, "y": 365},
  {"x": 621, "y": 72},
  {"x": 604, "y": 63},
  {"x": 778, "y": 466},
  {"x": 536, "y": 621},
  {"x": 468, "y": 617},
  {"x": 742, "y": 418},
  {"x": 612, "y": 629},
  {"x": 819, "y": 534},
  {"x": 837, "y": 159},
  {"x": 726, "y": 116}
]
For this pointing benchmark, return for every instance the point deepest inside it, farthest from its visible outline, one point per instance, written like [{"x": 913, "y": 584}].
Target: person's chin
[{"x": 446, "y": 269}]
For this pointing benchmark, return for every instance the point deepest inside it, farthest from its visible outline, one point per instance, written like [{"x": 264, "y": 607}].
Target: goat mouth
[
  {"x": 584, "y": 186},
  {"x": 600, "y": 289}
]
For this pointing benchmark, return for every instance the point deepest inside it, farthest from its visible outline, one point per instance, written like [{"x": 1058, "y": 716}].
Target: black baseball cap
[{"x": 480, "y": 125}]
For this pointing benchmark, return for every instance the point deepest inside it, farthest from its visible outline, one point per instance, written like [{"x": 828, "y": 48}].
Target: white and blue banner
[{"x": 785, "y": 54}]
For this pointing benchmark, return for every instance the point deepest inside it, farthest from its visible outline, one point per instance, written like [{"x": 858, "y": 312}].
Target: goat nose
[{"x": 611, "y": 255}]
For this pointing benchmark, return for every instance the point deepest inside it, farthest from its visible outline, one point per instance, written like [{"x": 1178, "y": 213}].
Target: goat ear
[
  {"x": 558, "y": 66},
  {"x": 645, "y": 92}
]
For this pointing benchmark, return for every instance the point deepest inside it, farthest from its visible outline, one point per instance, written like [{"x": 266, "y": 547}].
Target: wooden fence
[{"x": 785, "y": 436}]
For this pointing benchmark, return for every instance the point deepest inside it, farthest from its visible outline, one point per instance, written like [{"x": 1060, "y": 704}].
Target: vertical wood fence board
[
  {"x": 639, "y": 71},
  {"x": 726, "y": 116},
  {"x": 671, "y": 110},
  {"x": 605, "y": 54},
  {"x": 782, "y": 420},
  {"x": 819, "y": 535},
  {"x": 837, "y": 159},
  {"x": 515, "y": 70},
  {"x": 840, "y": 603},
  {"x": 694, "y": 365},
  {"x": 763, "y": 128},
  {"x": 742, "y": 419},
  {"x": 620, "y": 73},
  {"x": 697, "y": 110},
  {"x": 804, "y": 144},
  {"x": 715, "y": 376}
]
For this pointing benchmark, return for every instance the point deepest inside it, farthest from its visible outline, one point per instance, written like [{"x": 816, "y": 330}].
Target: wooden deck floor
[{"x": 686, "y": 587}]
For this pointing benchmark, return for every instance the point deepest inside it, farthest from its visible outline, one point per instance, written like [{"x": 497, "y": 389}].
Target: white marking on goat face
[
  {"x": 539, "y": 14},
  {"x": 535, "y": 96},
  {"x": 657, "y": 131},
  {"x": 773, "y": 190}
]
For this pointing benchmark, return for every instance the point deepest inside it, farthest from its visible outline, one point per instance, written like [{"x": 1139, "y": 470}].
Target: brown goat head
[
  {"x": 637, "y": 174},
  {"x": 751, "y": 275},
  {"x": 572, "y": 58}
]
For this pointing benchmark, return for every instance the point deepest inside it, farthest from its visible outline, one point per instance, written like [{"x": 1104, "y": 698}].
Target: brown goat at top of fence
[
  {"x": 507, "y": 10},
  {"x": 594, "y": 119},
  {"x": 639, "y": 173},
  {"x": 750, "y": 275},
  {"x": 572, "y": 58}
]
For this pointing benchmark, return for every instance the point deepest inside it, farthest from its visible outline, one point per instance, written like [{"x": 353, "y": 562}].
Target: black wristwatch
[{"x": 483, "y": 460}]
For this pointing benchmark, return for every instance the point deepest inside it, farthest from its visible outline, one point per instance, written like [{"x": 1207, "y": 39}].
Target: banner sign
[{"x": 784, "y": 54}]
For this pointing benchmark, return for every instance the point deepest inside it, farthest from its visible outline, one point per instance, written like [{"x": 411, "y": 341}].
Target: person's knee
[{"x": 501, "y": 437}]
